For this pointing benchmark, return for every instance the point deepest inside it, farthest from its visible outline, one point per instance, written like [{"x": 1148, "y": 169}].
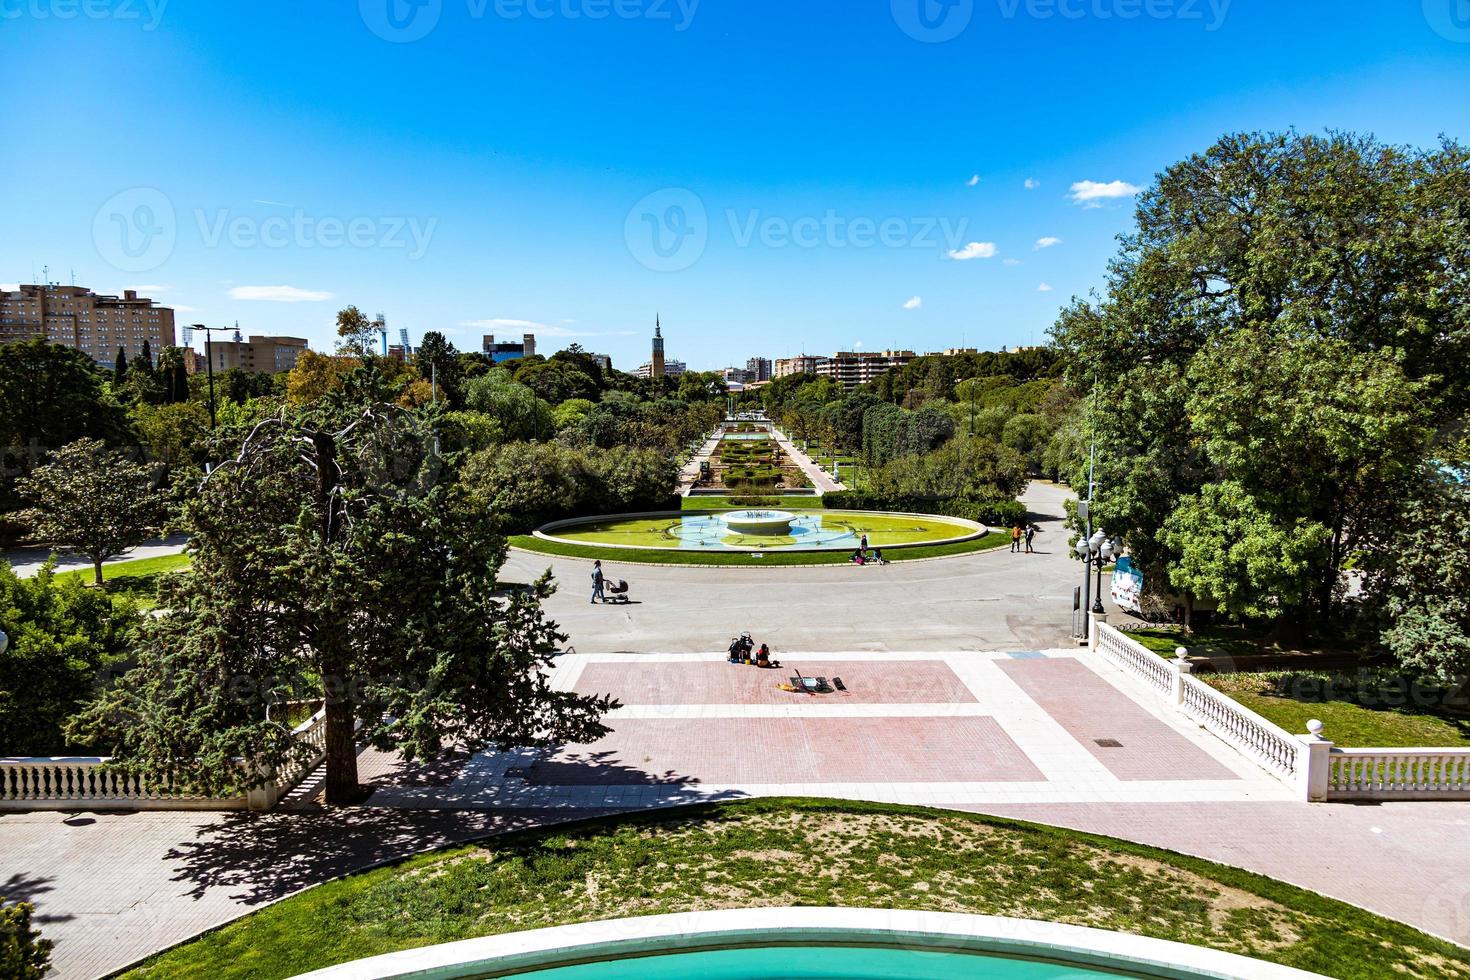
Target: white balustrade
[
  {"x": 1270, "y": 745},
  {"x": 87, "y": 782},
  {"x": 1399, "y": 774},
  {"x": 1134, "y": 657}
]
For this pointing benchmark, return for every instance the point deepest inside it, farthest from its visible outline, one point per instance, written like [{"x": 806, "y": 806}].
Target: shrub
[
  {"x": 992, "y": 513},
  {"x": 24, "y": 955}
]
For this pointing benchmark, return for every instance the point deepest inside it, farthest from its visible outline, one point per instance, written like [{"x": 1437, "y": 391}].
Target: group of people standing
[{"x": 1022, "y": 534}]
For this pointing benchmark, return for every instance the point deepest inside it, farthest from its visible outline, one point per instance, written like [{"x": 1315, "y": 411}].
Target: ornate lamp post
[{"x": 1097, "y": 550}]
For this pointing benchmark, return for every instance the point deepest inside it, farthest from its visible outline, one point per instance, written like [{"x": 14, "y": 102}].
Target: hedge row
[{"x": 993, "y": 513}]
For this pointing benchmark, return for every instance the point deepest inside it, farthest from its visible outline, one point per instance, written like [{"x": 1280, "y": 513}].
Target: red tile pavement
[
  {"x": 703, "y": 682},
  {"x": 790, "y": 750},
  {"x": 1090, "y": 708}
]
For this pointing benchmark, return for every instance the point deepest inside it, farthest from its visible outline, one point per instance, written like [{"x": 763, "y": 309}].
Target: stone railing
[
  {"x": 1135, "y": 658},
  {"x": 1314, "y": 767},
  {"x": 87, "y": 783},
  {"x": 1398, "y": 774},
  {"x": 1273, "y": 747}
]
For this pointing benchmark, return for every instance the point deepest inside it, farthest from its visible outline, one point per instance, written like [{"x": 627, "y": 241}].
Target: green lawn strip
[
  {"x": 1209, "y": 641},
  {"x": 137, "y": 579},
  {"x": 1387, "y": 716},
  {"x": 808, "y": 502},
  {"x": 527, "y": 542},
  {"x": 776, "y": 852}
]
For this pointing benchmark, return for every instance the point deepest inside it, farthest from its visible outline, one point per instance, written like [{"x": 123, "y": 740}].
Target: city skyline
[{"x": 755, "y": 221}]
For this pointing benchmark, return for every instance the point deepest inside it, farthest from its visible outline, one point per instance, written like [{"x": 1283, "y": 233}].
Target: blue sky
[{"x": 768, "y": 177}]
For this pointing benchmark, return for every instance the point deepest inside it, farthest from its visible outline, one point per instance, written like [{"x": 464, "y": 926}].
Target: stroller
[
  {"x": 741, "y": 647},
  {"x": 617, "y": 591}
]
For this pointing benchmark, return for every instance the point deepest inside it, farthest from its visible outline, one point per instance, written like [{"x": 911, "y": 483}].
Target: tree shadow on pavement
[{"x": 260, "y": 858}]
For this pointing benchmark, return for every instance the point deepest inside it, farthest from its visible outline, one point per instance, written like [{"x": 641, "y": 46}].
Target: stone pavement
[{"x": 820, "y": 479}]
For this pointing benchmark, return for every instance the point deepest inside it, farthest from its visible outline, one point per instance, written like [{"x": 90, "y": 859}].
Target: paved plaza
[{"x": 962, "y": 691}]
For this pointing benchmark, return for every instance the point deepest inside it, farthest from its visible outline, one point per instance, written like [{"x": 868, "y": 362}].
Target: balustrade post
[
  {"x": 1182, "y": 666},
  {"x": 1095, "y": 633},
  {"x": 1315, "y": 763}
]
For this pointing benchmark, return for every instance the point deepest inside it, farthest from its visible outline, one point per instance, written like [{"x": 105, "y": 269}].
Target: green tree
[
  {"x": 357, "y": 336},
  {"x": 522, "y": 484},
  {"x": 1028, "y": 435},
  {"x": 521, "y": 415},
  {"x": 119, "y": 368},
  {"x": 64, "y": 639},
  {"x": 1423, "y": 580},
  {"x": 94, "y": 501},
  {"x": 437, "y": 361},
  {"x": 571, "y": 413},
  {"x": 24, "y": 955},
  {"x": 335, "y": 557},
  {"x": 51, "y": 395}
]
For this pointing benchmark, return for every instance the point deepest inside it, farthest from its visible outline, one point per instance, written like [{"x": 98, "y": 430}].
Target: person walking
[
  {"x": 597, "y": 583},
  {"x": 1015, "y": 538},
  {"x": 1030, "y": 533}
]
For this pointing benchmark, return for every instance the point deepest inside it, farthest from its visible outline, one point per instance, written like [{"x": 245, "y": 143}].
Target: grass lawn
[
  {"x": 137, "y": 579},
  {"x": 1226, "y": 641},
  {"x": 528, "y": 542},
  {"x": 1370, "y": 709},
  {"x": 777, "y": 852}
]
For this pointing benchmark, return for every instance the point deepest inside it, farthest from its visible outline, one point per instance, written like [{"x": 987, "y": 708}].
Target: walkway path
[
  {"x": 820, "y": 479},
  {"x": 689, "y": 475},
  {"x": 28, "y": 561}
]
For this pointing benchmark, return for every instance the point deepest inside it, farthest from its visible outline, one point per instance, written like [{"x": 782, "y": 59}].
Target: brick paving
[
  {"x": 785, "y": 750},
  {"x": 867, "y": 682},
  {"x": 1094, "y": 713}
]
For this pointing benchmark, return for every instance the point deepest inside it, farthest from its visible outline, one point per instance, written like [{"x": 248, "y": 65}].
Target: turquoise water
[{"x": 820, "y": 963}]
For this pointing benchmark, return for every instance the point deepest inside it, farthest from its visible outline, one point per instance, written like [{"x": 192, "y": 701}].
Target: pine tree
[
  {"x": 180, "y": 382},
  {"x": 120, "y": 367},
  {"x": 144, "y": 359}
]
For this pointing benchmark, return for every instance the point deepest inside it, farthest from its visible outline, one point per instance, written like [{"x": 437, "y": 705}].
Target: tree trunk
[
  {"x": 341, "y": 742},
  {"x": 97, "y": 572}
]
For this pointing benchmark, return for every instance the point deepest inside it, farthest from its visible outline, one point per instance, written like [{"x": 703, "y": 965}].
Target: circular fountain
[{"x": 758, "y": 521}]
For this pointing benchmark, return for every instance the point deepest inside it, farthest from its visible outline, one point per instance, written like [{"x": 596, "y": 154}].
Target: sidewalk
[
  {"x": 28, "y": 561},
  {"x": 820, "y": 479}
]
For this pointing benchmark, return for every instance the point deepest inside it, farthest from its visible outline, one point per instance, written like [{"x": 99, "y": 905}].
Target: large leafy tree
[
  {"x": 51, "y": 395},
  {"x": 336, "y": 558},
  {"x": 1288, "y": 324},
  {"x": 93, "y": 500},
  {"x": 64, "y": 638}
]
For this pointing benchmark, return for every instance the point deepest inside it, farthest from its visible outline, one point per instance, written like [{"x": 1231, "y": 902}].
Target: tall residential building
[
  {"x": 258, "y": 355},
  {"x": 801, "y": 364},
  {"x": 604, "y": 361},
  {"x": 95, "y": 325},
  {"x": 758, "y": 369},
  {"x": 656, "y": 365},
  {"x": 853, "y": 368},
  {"x": 509, "y": 350}
]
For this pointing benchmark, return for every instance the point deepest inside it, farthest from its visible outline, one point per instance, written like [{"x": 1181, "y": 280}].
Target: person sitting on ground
[
  {"x": 763, "y": 657},
  {"x": 878, "y": 556},
  {"x": 857, "y": 556}
]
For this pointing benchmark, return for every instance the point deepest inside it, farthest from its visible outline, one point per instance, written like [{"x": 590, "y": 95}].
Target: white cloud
[
  {"x": 541, "y": 329},
  {"x": 857, "y": 345},
  {"x": 974, "y": 179},
  {"x": 147, "y": 290},
  {"x": 1047, "y": 242},
  {"x": 1032, "y": 183},
  {"x": 1091, "y": 193},
  {"x": 1011, "y": 261},
  {"x": 1044, "y": 288},
  {"x": 913, "y": 303},
  {"x": 279, "y": 294},
  {"x": 974, "y": 250}
]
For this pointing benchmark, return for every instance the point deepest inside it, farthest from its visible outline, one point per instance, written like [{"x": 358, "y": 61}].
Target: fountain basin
[{"x": 758, "y": 521}]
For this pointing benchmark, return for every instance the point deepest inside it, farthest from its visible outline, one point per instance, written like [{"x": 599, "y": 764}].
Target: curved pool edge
[
  {"x": 976, "y": 529},
  {"x": 542, "y": 949}
]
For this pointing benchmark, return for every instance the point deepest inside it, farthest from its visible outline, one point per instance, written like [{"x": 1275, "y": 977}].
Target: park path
[
  {"x": 820, "y": 479},
  {"x": 28, "y": 561}
]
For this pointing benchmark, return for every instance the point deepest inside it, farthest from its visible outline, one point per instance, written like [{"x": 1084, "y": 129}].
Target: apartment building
[
  {"x": 508, "y": 350},
  {"x": 76, "y": 317},
  {"x": 853, "y": 368},
  {"x": 801, "y": 364},
  {"x": 758, "y": 369},
  {"x": 258, "y": 355}
]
